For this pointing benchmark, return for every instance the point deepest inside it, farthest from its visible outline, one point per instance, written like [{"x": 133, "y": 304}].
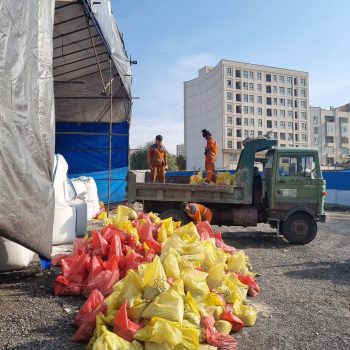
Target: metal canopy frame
[{"x": 71, "y": 55}]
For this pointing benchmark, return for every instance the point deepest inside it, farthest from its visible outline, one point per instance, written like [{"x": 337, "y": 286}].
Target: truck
[{"x": 288, "y": 194}]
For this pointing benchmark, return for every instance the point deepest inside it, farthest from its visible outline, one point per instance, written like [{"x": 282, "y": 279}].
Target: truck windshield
[{"x": 296, "y": 165}]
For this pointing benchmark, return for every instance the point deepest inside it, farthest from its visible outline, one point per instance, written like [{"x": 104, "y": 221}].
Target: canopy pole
[{"x": 110, "y": 134}]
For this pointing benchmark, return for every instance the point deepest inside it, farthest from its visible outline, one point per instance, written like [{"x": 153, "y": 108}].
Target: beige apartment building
[
  {"x": 330, "y": 133},
  {"x": 236, "y": 100},
  {"x": 180, "y": 150}
]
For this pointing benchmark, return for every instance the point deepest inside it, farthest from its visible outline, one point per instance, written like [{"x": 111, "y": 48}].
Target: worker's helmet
[{"x": 159, "y": 137}]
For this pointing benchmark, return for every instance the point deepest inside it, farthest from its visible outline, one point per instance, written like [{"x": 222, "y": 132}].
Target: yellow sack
[
  {"x": 102, "y": 216},
  {"x": 237, "y": 290},
  {"x": 154, "y": 218},
  {"x": 100, "y": 321},
  {"x": 190, "y": 230},
  {"x": 224, "y": 327},
  {"x": 160, "y": 331},
  {"x": 215, "y": 275},
  {"x": 191, "y": 312},
  {"x": 176, "y": 224},
  {"x": 245, "y": 312},
  {"x": 213, "y": 255},
  {"x": 238, "y": 262},
  {"x": 196, "y": 179},
  {"x": 153, "y": 275},
  {"x": 155, "y": 346},
  {"x": 162, "y": 234},
  {"x": 135, "y": 312},
  {"x": 129, "y": 228},
  {"x": 212, "y": 299},
  {"x": 195, "y": 282},
  {"x": 168, "y": 225},
  {"x": 123, "y": 211},
  {"x": 168, "y": 305},
  {"x": 171, "y": 265},
  {"x": 173, "y": 242},
  {"x": 207, "y": 347},
  {"x": 190, "y": 339},
  {"x": 110, "y": 341},
  {"x": 129, "y": 288}
]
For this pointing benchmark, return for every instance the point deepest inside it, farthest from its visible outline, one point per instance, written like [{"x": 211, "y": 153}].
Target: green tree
[
  {"x": 172, "y": 165},
  {"x": 181, "y": 162}
]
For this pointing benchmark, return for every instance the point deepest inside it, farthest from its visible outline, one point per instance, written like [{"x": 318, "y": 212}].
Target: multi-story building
[
  {"x": 236, "y": 100},
  {"x": 330, "y": 133},
  {"x": 180, "y": 150}
]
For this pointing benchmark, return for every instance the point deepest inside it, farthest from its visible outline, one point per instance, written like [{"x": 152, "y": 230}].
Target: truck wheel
[
  {"x": 176, "y": 214},
  {"x": 300, "y": 228}
]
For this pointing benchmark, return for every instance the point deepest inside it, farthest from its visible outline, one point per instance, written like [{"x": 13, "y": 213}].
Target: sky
[{"x": 172, "y": 39}]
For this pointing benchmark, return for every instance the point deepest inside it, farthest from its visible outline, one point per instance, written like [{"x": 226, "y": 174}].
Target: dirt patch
[{"x": 304, "y": 303}]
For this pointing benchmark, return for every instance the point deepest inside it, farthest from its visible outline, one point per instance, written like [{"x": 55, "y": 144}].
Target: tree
[
  {"x": 172, "y": 165},
  {"x": 181, "y": 162}
]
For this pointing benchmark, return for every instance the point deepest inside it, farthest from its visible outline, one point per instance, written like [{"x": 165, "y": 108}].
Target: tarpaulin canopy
[{"x": 66, "y": 57}]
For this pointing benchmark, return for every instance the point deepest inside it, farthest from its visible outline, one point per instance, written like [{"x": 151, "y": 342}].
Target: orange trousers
[
  {"x": 158, "y": 174},
  {"x": 210, "y": 168}
]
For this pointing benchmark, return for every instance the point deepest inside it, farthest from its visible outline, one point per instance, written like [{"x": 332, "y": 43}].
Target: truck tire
[
  {"x": 299, "y": 228},
  {"x": 176, "y": 214}
]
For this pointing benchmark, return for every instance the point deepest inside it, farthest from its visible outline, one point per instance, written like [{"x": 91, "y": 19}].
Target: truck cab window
[{"x": 296, "y": 165}]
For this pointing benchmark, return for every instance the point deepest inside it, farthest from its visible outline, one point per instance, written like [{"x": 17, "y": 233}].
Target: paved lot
[{"x": 304, "y": 304}]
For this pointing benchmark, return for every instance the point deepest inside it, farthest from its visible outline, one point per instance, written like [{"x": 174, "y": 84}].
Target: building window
[
  {"x": 343, "y": 120},
  {"x": 274, "y": 78},
  {"x": 274, "y": 101},
  {"x": 238, "y": 73},
  {"x": 281, "y": 90},
  {"x": 259, "y": 111},
  {"x": 251, "y": 75},
  {"x": 229, "y": 144},
  {"x": 296, "y": 137},
  {"x": 295, "y": 81},
  {"x": 251, "y": 98},
  {"x": 303, "y": 137},
  {"x": 259, "y": 133},
  {"x": 239, "y": 109},
  {"x": 239, "y": 121},
  {"x": 275, "y": 112},
  {"x": 303, "y": 115},
  {"x": 330, "y": 128},
  {"x": 303, "y": 104},
  {"x": 302, "y": 82},
  {"x": 238, "y": 85},
  {"x": 289, "y": 80},
  {"x": 295, "y": 92},
  {"x": 274, "y": 89},
  {"x": 245, "y": 98},
  {"x": 259, "y": 87},
  {"x": 344, "y": 140},
  {"x": 268, "y": 101},
  {"x": 238, "y": 132},
  {"x": 296, "y": 103},
  {"x": 251, "y": 110},
  {"x": 289, "y": 103},
  {"x": 290, "y": 125},
  {"x": 245, "y": 85},
  {"x": 239, "y": 145},
  {"x": 229, "y": 84},
  {"x": 229, "y": 120},
  {"x": 315, "y": 139},
  {"x": 229, "y": 108},
  {"x": 269, "y": 112},
  {"x": 289, "y": 91},
  {"x": 343, "y": 129},
  {"x": 260, "y": 123},
  {"x": 245, "y": 109},
  {"x": 245, "y": 121},
  {"x": 282, "y": 102},
  {"x": 290, "y": 114},
  {"x": 296, "y": 126},
  {"x": 251, "y": 86},
  {"x": 329, "y": 118},
  {"x": 290, "y": 137},
  {"x": 296, "y": 115},
  {"x": 315, "y": 130},
  {"x": 245, "y": 74},
  {"x": 282, "y": 136},
  {"x": 229, "y": 71},
  {"x": 238, "y": 97},
  {"x": 258, "y": 76},
  {"x": 275, "y": 135},
  {"x": 329, "y": 139},
  {"x": 302, "y": 92},
  {"x": 228, "y": 95},
  {"x": 260, "y": 99},
  {"x": 275, "y": 124},
  {"x": 269, "y": 124},
  {"x": 251, "y": 121},
  {"x": 251, "y": 133},
  {"x": 229, "y": 132},
  {"x": 268, "y": 77},
  {"x": 268, "y": 89},
  {"x": 282, "y": 113},
  {"x": 303, "y": 126},
  {"x": 281, "y": 79},
  {"x": 282, "y": 124},
  {"x": 246, "y": 133}
]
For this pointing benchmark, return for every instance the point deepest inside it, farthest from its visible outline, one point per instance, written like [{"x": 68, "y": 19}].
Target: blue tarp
[
  {"x": 86, "y": 150},
  {"x": 337, "y": 180}
]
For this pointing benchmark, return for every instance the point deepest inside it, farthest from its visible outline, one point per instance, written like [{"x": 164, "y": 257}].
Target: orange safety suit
[
  {"x": 211, "y": 153},
  {"x": 199, "y": 212},
  {"x": 157, "y": 161}
]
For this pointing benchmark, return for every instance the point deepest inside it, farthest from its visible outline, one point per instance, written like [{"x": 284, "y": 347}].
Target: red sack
[
  {"x": 75, "y": 268},
  {"x": 143, "y": 216},
  {"x": 149, "y": 256},
  {"x": 57, "y": 259},
  {"x": 110, "y": 231},
  {"x": 220, "y": 340},
  {"x": 251, "y": 282},
  {"x": 131, "y": 260},
  {"x": 86, "y": 330},
  {"x": 80, "y": 246},
  {"x": 115, "y": 248},
  {"x": 221, "y": 244},
  {"x": 95, "y": 269},
  {"x": 123, "y": 326},
  {"x": 94, "y": 300},
  {"x": 131, "y": 243},
  {"x": 99, "y": 244},
  {"x": 62, "y": 286},
  {"x": 237, "y": 323},
  {"x": 205, "y": 231},
  {"x": 144, "y": 231},
  {"x": 104, "y": 282},
  {"x": 153, "y": 244}
]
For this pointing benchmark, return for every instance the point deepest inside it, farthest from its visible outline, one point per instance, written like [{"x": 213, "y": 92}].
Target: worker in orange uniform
[
  {"x": 197, "y": 212},
  {"x": 157, "y": 160},
  {"x": 211, "y": 153}
]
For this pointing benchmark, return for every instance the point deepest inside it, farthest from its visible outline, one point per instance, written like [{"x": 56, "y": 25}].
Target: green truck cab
[{"x": 288, "y": 194}]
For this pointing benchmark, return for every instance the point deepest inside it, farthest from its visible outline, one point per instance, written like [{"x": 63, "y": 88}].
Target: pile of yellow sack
[
  {"x": 189, "y": 297},
  {"x": 224, "y": 178}
]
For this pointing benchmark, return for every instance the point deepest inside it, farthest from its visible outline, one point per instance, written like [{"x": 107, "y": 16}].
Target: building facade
[
  {"x": 330, "y": 133},
  {"x": 236, "y": 100},
  {"x": 180, "y": 150}
]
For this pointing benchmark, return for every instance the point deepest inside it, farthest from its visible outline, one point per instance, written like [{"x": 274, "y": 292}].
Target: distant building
[
  {"x": 236, "y": 100},
  {"x": 330, "y": 133},
  {"x": 180, "y": 150}
]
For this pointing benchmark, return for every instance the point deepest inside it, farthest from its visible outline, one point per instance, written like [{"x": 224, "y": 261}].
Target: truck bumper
[{"x": 322, "y": 217}]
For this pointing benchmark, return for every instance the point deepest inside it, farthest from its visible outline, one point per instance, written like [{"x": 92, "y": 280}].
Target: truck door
[{"x": 296, "y": 182}]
